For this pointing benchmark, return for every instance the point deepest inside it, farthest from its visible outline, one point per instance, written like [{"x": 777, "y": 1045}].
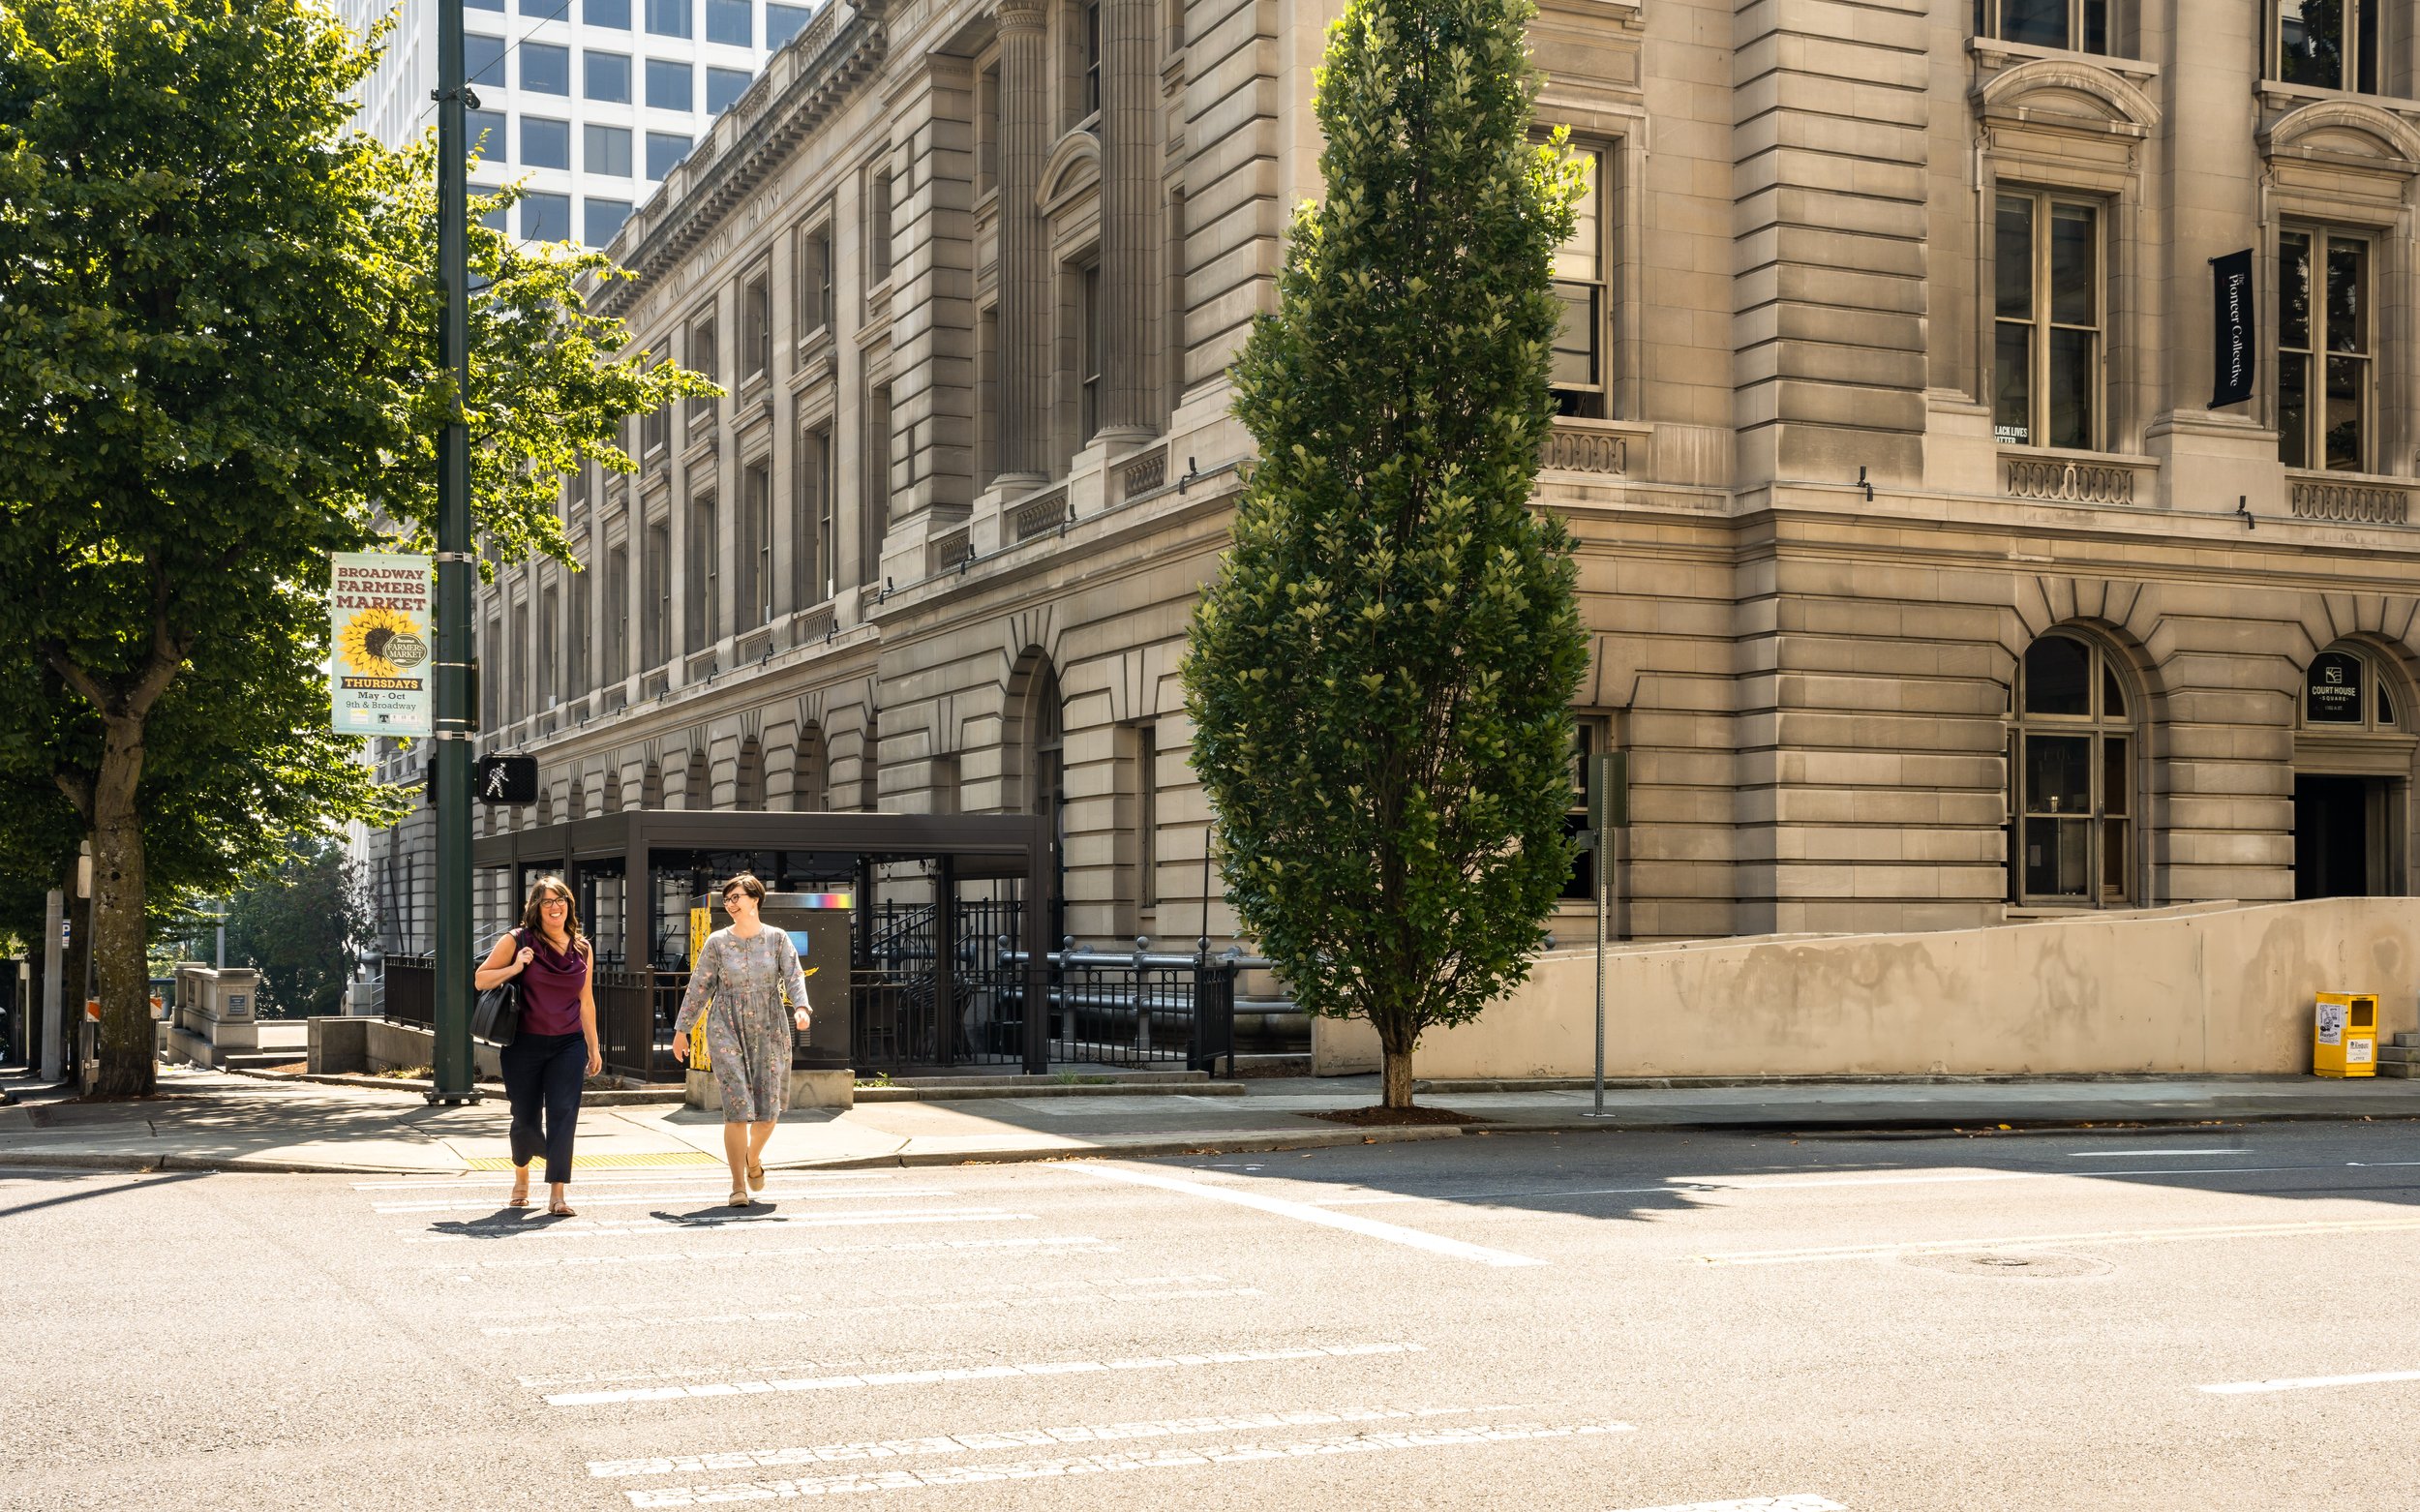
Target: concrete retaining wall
[
  {"x": 2210, "y": 990},
  {"x": 808, "y": 1089},
  {"x": 348, "y": 1046}
]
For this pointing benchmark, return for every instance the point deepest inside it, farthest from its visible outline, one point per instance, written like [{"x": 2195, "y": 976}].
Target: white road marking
[
  {"x": 1083, "y": 1243},
  {"x": 2245, "y": 1388},
  {"x": 1014, "y": 1438},
  {"x": 1758, "y": 1503},
  {"x": 1100, "y": 1464},
  {"x": 640, "y": 1227},
  {"x": 1053, "y": 1289},
  {"x": 1304, "y": 1212},
  {"x": 1885, "y": 1252},
  {"x": 2113, "y": 1155},
  {"x": 641, "y": 1198},
  {"x": 653, "y": 1321},
  {"x": 1029, "y": 1370}
]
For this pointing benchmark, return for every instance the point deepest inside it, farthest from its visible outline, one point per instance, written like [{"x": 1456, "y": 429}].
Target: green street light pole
[{"x": 455, "y": 565}]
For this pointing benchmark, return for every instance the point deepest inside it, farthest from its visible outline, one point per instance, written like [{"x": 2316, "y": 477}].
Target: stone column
[
  {"x": 1130, "y": 234},
  {"x": 1025, "y": 314}
]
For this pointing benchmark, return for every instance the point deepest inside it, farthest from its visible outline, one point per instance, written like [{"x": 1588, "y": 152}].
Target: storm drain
[{"x": 2022, "y": 1264}]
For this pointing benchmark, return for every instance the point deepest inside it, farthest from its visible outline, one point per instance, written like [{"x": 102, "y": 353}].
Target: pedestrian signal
[{"x": 505, "y": 779}]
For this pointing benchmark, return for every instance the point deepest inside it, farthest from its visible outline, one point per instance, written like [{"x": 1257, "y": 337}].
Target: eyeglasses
[{"x": 555, "y": 902}]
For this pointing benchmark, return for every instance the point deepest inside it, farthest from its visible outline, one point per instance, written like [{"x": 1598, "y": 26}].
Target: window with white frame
[
  {"x": 756, "y": 326},
  {"x": 2048, "y": 320},
  {"x": 2326, "y": 372},
  {"x": 2327, "y": 44},
  {"x": 1578, "y": 374},
  {"x": 2072, "y": 767},
  {"x": 814, "y": 296}
]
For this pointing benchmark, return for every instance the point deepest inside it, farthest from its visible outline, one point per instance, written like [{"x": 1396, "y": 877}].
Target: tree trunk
[
  {"x": 129, "y": 1059},
  {"x": 1398, "y": 1077}
]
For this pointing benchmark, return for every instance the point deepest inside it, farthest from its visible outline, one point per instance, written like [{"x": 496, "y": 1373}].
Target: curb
[{"x": 1050, "y": 1089}]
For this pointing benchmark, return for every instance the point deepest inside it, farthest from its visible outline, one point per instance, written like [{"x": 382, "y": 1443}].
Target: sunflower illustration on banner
[{"x": 378, "y": 633}]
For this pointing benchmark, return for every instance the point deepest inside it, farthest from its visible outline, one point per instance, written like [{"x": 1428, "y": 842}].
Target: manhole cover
[{"x": 2030, "y": 1264}]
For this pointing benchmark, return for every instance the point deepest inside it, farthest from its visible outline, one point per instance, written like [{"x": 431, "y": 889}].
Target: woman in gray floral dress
[{"x": 743, "y": 974}]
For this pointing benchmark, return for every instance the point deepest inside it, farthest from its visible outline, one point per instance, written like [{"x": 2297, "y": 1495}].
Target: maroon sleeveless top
[{"x": 550, "y": 986}]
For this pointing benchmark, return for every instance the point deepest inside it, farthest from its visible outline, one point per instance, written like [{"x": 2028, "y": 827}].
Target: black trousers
[{"x": 543, "y": 1073}]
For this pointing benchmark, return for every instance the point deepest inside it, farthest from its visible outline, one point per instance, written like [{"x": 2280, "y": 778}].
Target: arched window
[
  {"x": 806, "y": 784},
  {"x": 2344, "y": 693},
  {"x": 750, "y": 790},
  {"x": 2072, "y": 767}
]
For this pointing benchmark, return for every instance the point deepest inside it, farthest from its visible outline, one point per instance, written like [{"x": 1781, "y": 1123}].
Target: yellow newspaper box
[{"x": 2345, "y": 1034}]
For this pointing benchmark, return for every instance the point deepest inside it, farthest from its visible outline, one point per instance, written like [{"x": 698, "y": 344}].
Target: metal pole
[
  {"x": 54, "y": 952},
  {"x": 1604, "y": 871},
  {"x": 454, "y": 566}
]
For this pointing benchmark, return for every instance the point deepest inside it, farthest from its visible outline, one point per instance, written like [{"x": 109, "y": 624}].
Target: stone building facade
[{"x": 1927, "y": 585}]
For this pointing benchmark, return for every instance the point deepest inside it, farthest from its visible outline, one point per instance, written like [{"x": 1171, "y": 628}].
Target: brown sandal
[
  {"x": 520, "y": 1193},
  {"x": 560, "y": 1210},
  {"x": 739, "y": 1196},
  {"x": 756, "y": 1177}
]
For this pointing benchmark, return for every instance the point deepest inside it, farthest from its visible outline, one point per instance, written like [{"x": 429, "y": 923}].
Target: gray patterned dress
[{"x": 747, "y": 1034}]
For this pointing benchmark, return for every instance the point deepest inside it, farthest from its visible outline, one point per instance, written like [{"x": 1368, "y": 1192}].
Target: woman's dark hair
[
  {"x": 532, "y": 912},
  {"x": 747, "y": 883}
]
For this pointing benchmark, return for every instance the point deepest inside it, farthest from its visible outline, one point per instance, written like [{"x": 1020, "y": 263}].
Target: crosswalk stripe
[
  {"x": 1014, "y": 1438},
  {"x": 1248, "y": 1452},
  {"x": 1304, "y": 1212},
  {"x": 1032, "y": 1368},
  {"x": 1085, "y": 1243}
]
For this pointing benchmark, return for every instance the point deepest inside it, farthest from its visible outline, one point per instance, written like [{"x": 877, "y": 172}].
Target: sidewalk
[{"x": 205, "y": 1120}]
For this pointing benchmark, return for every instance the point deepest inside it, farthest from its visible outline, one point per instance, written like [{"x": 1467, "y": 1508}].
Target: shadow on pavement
[{"x": 90, "y": 1192}]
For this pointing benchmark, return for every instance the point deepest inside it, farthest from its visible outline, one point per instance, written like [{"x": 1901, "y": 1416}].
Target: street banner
[
  {"x": 380, "y": 673},
  {"x": 2231, "y": 298}
]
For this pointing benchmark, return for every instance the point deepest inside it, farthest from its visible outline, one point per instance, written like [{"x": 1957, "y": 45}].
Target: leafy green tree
[
  {"x": 1380, "y": 675},
  {"x": 218, "y": 363},
  {"x": 302, "y": 927}
]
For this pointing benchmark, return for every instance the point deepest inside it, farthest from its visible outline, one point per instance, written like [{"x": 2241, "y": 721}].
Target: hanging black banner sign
[
  {"x": 2332, "y": 689},
  {"x": 2231, "y": 296}
]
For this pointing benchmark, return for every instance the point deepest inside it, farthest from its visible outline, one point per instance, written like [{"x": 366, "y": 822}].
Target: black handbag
[{"x": 497, "y": 1017}]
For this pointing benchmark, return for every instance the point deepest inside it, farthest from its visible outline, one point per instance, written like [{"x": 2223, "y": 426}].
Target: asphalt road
[{"x": 1598, "y": 1322}]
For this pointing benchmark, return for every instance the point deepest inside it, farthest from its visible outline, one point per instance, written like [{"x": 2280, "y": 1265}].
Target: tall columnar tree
[
  {"x": 217, "y": 351},
  {"x": 1380, "y": 674}
]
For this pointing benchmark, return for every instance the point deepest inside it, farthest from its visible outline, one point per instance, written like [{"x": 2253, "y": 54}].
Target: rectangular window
[
  {"x": 517, "y": 693},
  {"x": 876, "y": 473},
  {"x": 496, "y": 218},
  {"x": 656, "y": 632},
  {"x": 601, "y": 219},
  {"x": 605, "y": 77},
  {"x": 545, "y": 217},
  {"x": 491, "y": 671},
  {"x": 545, "y": 143},
  {"x": 724, "y": 87},
  {"x": 878, "y": 225},
  {"x": 605, "y": 150},
  {"x": 546, "y": 10},
  {"x": 1088, "y": 346},
  {"x": 986, "y": 396},
  {"x": 1578, "y": 363},
  {"x": 654, "y": 429},
  {"x": 702, "y": 356},
  {"x": 705, "y": 618},
  {"x": 818, "y": 552},
  {"x": 1092, "y": 57},
  {"x": 618, "y": 614},
  {"x": 732, "y": 22},
  {"x": 986, "y": 131},
  {"x": 484, "y": 131},
  {"x": 1147, "y": 815},
  {"x": 2047, "y": 325},
  {"x": 496, "y": 6},
  {"x": 614, "y": 14},
  {"x": 545, "y": 68},
  {"x": 814, "y": 281},
  {"x": 783, "y": 22},
  {"x": 2325, "y": 346},
  {"x": 2328, "y": 43},
  {"x": 756, "y": 546},
  {"x": 670, "y": 84},
  {"x": 2070, "y": 25},
  {"x": 667, "y": 17},
  {"x": 664, "y": 151},
  {"x": 483, "y": 59},
  {"x": 576, "y": 666},
  {"x": 550, "y": 639},
  {"x": 756, "y": 328}
]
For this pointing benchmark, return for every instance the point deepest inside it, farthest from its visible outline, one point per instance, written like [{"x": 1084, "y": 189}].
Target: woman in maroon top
[{"x": 555, "y": 1051}]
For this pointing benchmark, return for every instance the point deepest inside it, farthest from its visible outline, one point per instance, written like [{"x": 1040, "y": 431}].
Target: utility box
[{"x": 2345, "y": 1034}]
